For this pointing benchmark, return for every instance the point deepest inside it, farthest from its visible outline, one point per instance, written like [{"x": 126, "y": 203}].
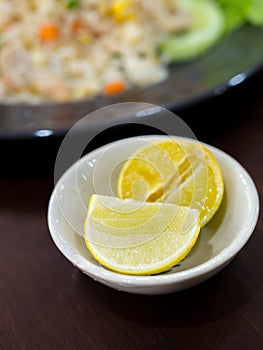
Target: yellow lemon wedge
[
  {"x": 177, "y": 171},
  {"x": 139, "y": 238}
]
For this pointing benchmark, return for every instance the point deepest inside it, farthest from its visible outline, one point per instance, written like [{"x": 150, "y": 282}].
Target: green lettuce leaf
[
  {"x": 235, "y": 11},
  {"x": 255, "y": 13}
]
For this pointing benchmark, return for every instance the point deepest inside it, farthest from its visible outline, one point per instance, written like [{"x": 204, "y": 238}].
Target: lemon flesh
[
  {"x": 139, "y": 238},
  {"x": 182, "y": 172}
]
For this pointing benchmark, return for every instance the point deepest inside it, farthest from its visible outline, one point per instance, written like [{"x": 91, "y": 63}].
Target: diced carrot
[
  {"x": 48, "y": 32},
  {"x": 114, "y": 87},
  {"x": 78, "y": 25}
]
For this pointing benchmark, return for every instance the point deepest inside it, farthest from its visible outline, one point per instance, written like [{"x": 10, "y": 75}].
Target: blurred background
[{"x": 60, "y": 61}]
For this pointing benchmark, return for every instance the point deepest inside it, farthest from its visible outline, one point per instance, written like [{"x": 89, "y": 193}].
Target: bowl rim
[{"x": 222, "y": 258}]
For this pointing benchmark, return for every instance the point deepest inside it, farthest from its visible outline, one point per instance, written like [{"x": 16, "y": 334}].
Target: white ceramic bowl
[{"x": 219, "y": 241}]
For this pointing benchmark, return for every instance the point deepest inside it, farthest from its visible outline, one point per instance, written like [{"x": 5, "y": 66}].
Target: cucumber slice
[{"x": 206, "y": 29}]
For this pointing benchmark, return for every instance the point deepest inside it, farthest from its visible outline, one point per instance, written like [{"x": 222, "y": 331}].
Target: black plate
[{"x": 231, "y": 62}]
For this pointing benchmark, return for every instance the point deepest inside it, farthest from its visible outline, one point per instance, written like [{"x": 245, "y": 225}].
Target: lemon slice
[
  {"x": 139, "y": 238},
  {"x": 182, "y": 172},
  {"x": 148, "y": 171}
]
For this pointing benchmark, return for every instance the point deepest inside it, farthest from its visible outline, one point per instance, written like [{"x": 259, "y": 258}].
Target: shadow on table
[{"x": 197, "y": 305}]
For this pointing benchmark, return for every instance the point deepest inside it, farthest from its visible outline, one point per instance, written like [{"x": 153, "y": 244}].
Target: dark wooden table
[{"x": 46, "y": 303}]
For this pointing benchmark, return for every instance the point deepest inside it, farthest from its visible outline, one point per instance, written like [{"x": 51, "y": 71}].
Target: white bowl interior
[{"x": 219, "y": 241}]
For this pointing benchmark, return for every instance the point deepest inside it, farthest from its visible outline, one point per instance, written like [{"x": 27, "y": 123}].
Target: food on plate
[
  {"x": 207, "y": 23},
  {"x": 139, "y": 238},
  {"x": 69, "y": 50},
  {"x": 167, "y": 191},
  {"x": 239, "y": 12},
  {"x": 175, "y": 171}
]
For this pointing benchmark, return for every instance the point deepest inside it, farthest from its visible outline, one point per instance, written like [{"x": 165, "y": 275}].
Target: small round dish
[{"x": 219, "y": 241}]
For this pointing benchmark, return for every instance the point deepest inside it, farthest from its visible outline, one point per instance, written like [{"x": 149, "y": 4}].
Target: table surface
[{"x": 46, "y": 303}]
